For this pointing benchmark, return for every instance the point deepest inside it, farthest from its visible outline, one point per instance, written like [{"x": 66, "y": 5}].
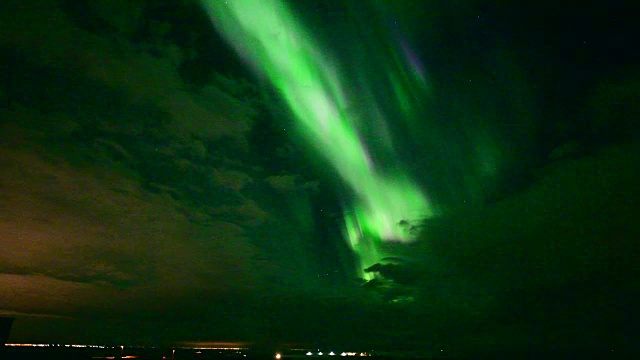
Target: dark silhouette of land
[{"x": 5, "y": 329}]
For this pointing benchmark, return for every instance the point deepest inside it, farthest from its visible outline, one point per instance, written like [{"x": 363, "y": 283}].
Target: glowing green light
[{"x": 267, "y": 35}]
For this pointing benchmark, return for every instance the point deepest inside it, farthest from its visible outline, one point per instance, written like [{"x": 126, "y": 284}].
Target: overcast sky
[{"x": 154, "y": 189}]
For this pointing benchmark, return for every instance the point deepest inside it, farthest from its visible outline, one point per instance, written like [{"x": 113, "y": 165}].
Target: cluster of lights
[
  {"x": 66, "y": 345},
  {"x": 236, "y": 349},
  {"x": 214, "y": 348},
  {"x": 34, "y": 345},
  {"x": 350, "y": 353}
]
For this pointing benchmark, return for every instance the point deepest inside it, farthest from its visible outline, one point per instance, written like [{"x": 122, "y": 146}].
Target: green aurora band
[{"x": 267, "y": 35}]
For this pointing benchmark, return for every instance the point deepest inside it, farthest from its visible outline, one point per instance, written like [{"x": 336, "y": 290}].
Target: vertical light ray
[{"x": 267, "y": 35}]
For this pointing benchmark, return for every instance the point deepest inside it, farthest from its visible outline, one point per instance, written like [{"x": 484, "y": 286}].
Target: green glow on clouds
[{"x": 267, "y": 35}]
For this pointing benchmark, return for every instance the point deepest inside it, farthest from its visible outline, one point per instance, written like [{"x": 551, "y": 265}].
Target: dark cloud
[
  {"x": 289, "y": 183},
  {"x": 127, "y": 189},
  {"x": 552, "y": 265},
  {"x": 232, "y": 179}
]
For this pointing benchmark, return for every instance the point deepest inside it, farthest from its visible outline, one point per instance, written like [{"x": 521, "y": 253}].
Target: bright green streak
[{"x": 266, "y": 34}]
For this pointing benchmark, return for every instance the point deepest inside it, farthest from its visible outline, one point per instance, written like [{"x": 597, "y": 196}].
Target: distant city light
[{"x": 197, "y": 350}]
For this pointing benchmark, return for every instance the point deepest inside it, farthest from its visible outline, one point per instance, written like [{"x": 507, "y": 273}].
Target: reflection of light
[
  {"x": 278, "y": 356},
  {"x": 320, "y": 353},
  {"x": 309, "y": 353},
  {"x": 343, "y": 354},
  {"x": 331, "y": 353}
]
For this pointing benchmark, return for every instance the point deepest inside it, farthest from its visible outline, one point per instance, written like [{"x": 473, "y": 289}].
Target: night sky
[{"x": 426, "y": 175}]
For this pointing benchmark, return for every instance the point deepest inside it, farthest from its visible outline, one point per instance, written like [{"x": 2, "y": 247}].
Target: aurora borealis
[
  {"x": 268, "y": 36},
  {"x": 443, "y": 178}
]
